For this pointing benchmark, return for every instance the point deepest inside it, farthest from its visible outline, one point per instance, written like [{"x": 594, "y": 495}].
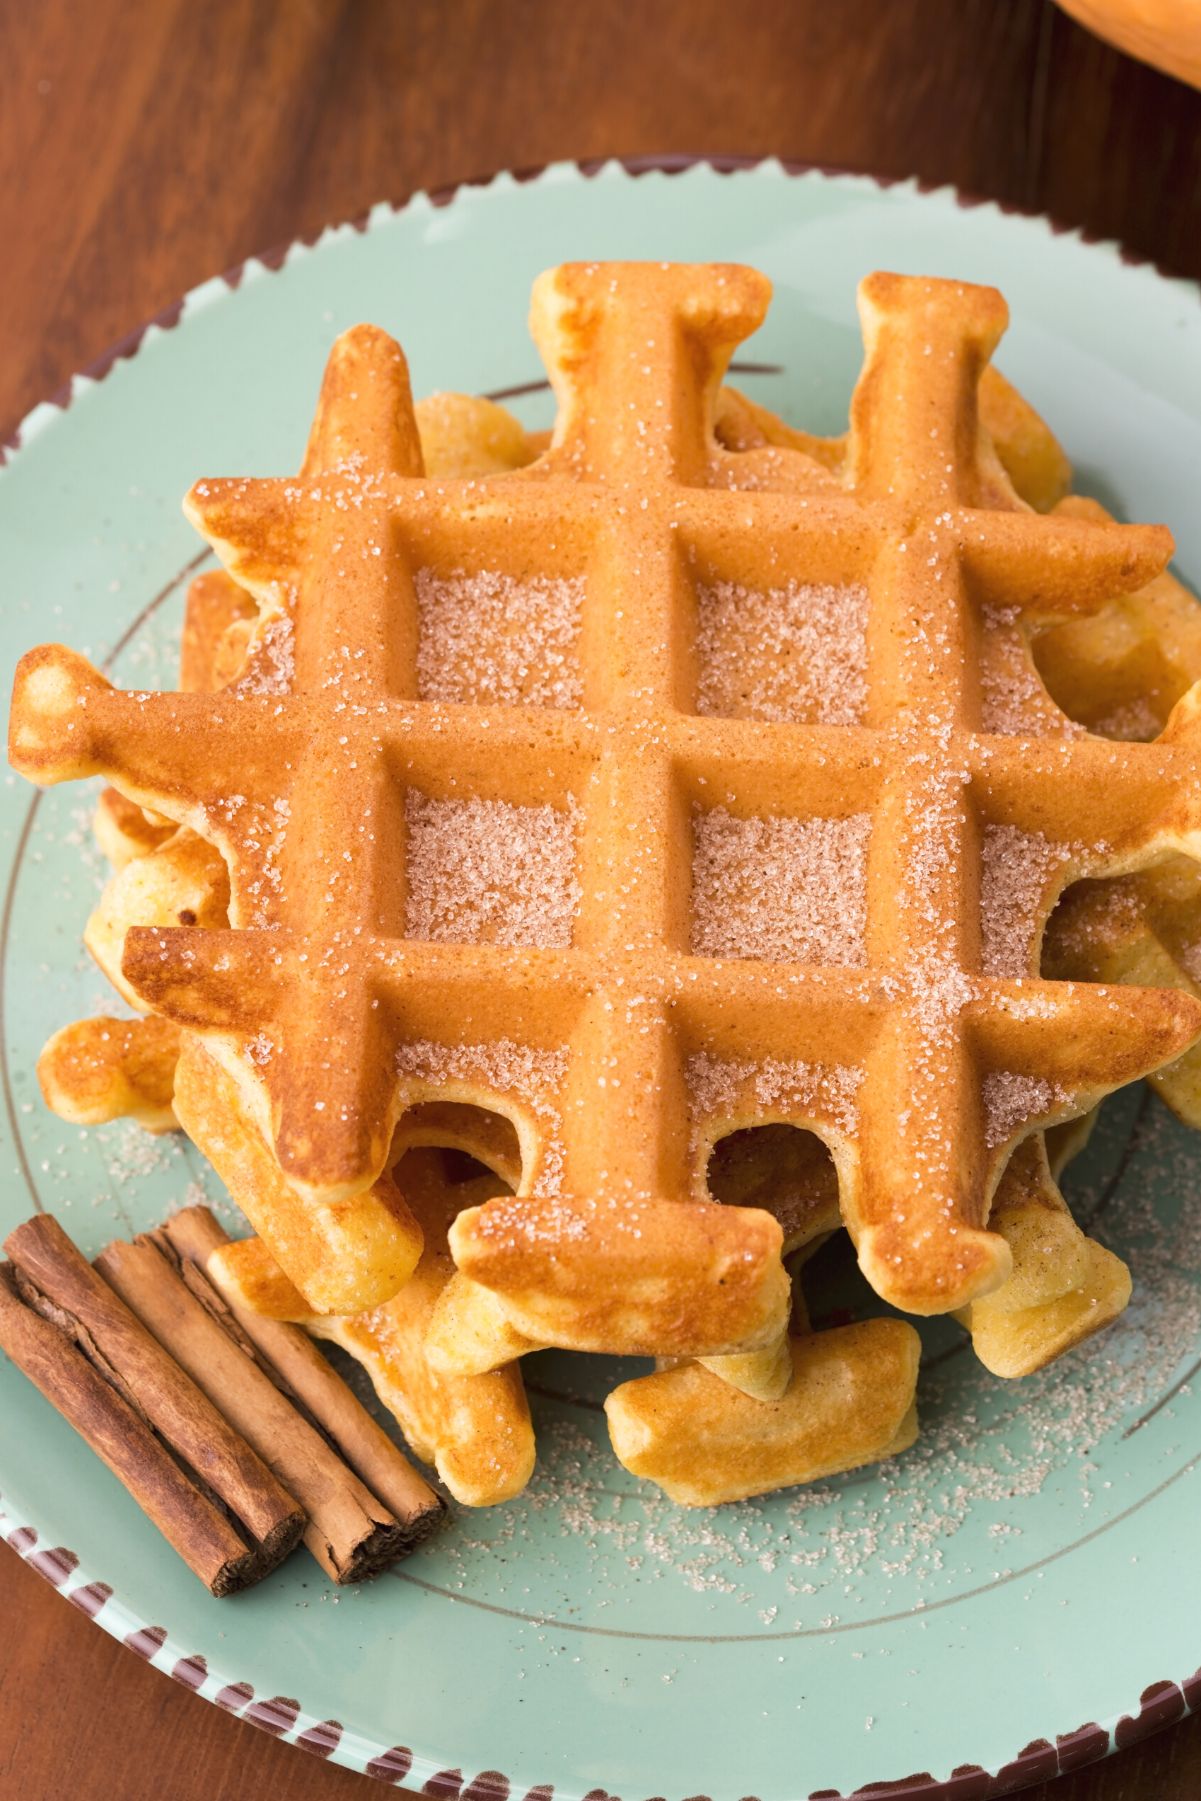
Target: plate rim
[
  {"x": 1162, "y": 1702},
  {"x": 270, "y": 261}
]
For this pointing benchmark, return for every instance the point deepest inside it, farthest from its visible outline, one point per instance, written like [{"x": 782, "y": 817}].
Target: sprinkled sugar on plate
[{"x": 1016, "y": 1590}]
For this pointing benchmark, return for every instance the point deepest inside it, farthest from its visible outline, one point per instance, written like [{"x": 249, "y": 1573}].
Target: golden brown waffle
[
  {"x": 476, "y": 1429},
  {"x": 1025, "y": 447},
  {"x": 919, "y": 1068},
  {"x": 464, "y": 435},
  {"x": 1121, "y": 671},
  {"x": 123, "y": 830},
  {"x": 1121, "y": 674},
  {"x": 99, "y": 1069},
  {"x": 1064, "y": 1286},
  {"x": 849, "y": 1402},
  {"x": 216, "y": 633},
  {"x": 180, "y": 881},
  {"x": 374, "y": 1235},
  {"x": 1139, "y": 928}
]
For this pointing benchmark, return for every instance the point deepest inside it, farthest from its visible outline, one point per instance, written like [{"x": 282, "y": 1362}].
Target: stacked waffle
[{"x": 669, "y": 816}]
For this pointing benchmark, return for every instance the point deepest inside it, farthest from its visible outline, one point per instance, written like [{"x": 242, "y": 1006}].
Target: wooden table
[{"x": 145, "y": 146}]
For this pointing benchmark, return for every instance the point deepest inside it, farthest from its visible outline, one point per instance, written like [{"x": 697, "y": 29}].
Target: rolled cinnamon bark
[
  {"x": 206, "y": 1491},
  {"x": 195, "y": 1236},
  {"x": 351, "y": 1531}
]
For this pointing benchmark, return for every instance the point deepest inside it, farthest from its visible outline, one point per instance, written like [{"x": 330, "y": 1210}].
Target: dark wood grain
[
  {"x": 83, "y": 1719},
  {"x": 143, "y": 147}
]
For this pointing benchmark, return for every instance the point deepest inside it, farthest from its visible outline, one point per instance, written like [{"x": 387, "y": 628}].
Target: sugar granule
[
  {"x": 486, "y": 872},
  {"x": 780, "y": 890},
  {"x": 271, "y": 665},
  {"x": 795, "y": 655},
  {"x": 1017, "y": 866},
  {"x": 1136, "y": 721},
  {"x": 492, "y": 640},
  {"x": 1010, "y": 1100},
  {"x": 1013, "y": 701},
  {"x": 771, "y": 1087}
]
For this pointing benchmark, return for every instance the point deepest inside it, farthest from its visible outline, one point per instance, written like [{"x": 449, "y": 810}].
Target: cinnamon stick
[
  {"x": 206, "y": 1491},
  {"x": 351, "y": 1531},
  {"x": 195, "y": 1236}
]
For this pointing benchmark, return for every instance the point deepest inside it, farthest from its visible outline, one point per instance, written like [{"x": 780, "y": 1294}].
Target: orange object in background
[{"x": 1164, "y": 33}]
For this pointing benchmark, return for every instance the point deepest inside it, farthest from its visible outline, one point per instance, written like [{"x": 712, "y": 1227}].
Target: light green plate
[{"x": 1030, "y": 1568}]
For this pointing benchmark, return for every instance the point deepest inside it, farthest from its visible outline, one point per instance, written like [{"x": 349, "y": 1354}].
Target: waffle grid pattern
[{"x": 301, "y": 771}]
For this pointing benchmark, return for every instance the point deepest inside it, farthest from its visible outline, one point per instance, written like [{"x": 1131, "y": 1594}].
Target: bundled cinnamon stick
[
  {"x": 205, "y": 1489},
  {"x": 365, "y": 1503},
  {"x": 289, "y": 1351}
]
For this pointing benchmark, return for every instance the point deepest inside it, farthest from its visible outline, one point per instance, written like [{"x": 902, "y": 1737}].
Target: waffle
[
  {"x": 851, "y": 1396},
  {"x": 850, "y": 1399},
  {"x": 216, "y": 633},
  {"x": 180, "y": 881},
  {"x": 1133, "y": 660},
  {"x": 849, "y": 1402},
  {"x": 919, "y": 1069},
  {"x": 125, "y": 831},
  {"x": 1027, "y": 450},
  {"x": 99, "y": 1069},
  {"x": 1063, "y": 1287},
  {"x": 1140, "y": 928},
  {"x": 381, "y": 1241},
  {"x": 474, "y": 1429},
  {"x": 464, "y": 435},
  {"x": 1121, "y": 674},
  {"x": 1118, "y": 672},
  {"x": 477, "y": 1433}
]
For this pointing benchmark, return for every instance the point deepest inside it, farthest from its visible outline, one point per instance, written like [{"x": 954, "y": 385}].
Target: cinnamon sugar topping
[
  {"x": 718, "y": 1088},
  {"x": 1011, "y": 1100},
  {"x": 486, "y": 872},
  {"x": 492, "y": 640},
  {"x": 794, "y": 655},
  {"x": 781, "y": 890},
  {"x": 1016, "y": 870}
]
